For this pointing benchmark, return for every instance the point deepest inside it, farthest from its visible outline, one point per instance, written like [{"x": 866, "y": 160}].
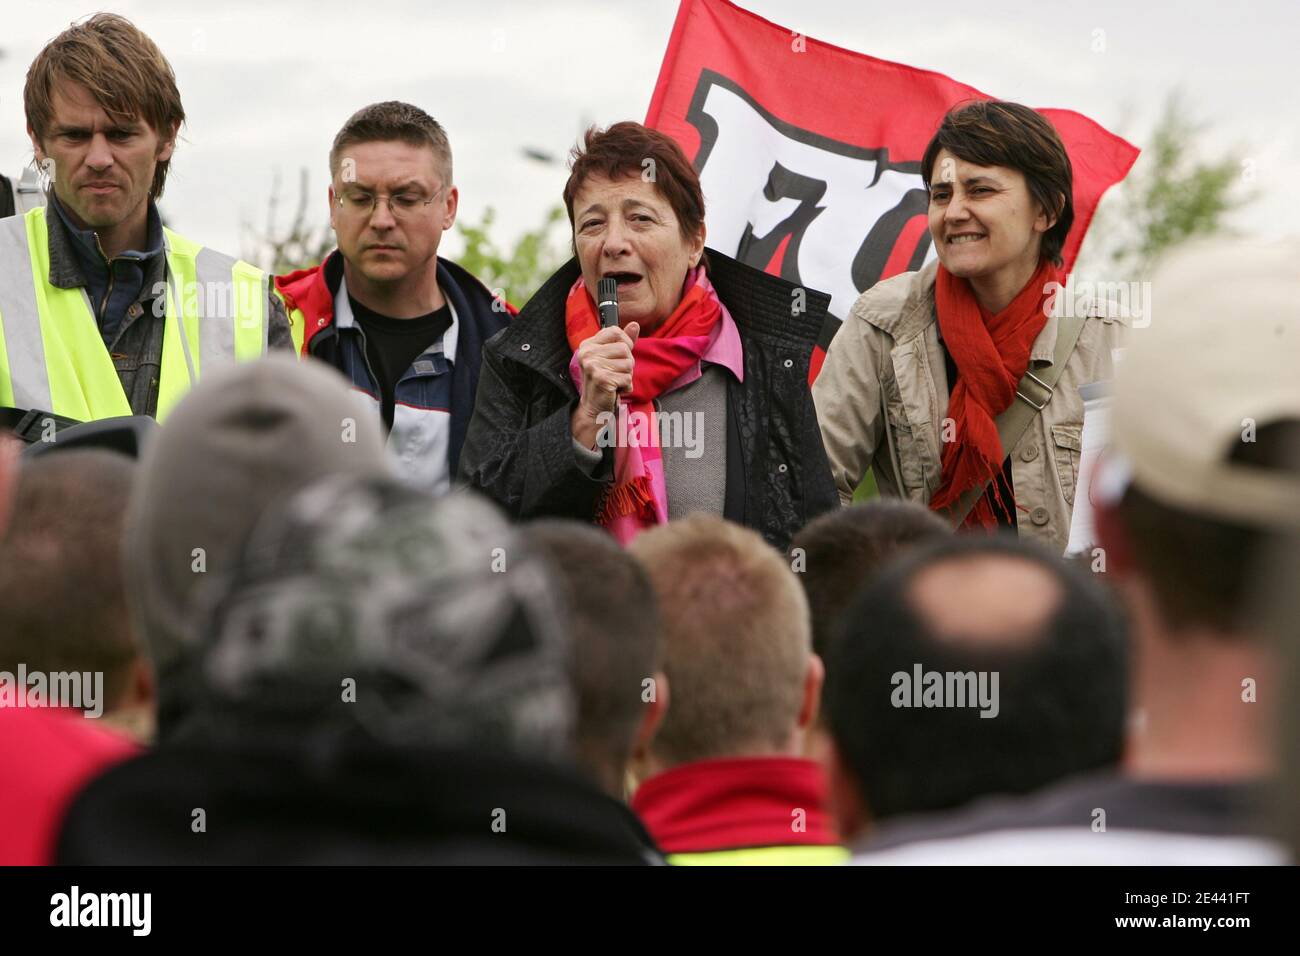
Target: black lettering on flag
[
  {"x": 873, "y": 254},
  {"x": 758, "y": 251},
  {"x": 840, "y": 209}
]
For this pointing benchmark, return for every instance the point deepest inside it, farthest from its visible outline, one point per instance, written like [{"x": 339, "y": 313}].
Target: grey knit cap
[{"x": 436, "y": 610}]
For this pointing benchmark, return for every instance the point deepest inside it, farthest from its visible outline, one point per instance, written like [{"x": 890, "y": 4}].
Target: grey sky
[{"x": 266, "y": 85}]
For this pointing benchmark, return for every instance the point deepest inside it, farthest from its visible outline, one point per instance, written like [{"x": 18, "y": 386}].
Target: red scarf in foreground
[
  {"x": 639, "y": 498},
  {"x": 991, "y": 353}
]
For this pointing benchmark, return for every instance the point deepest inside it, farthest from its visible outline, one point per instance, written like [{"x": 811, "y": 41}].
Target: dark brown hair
[
  {"x": 630, "y": 149},
  {"x": 122, "y": 68},
  {"x": 840, "y": 552},
  {"x": 63, "y": 604},
  {"x": 998, "y": 133},
  {"x": 616, "y": 639}
]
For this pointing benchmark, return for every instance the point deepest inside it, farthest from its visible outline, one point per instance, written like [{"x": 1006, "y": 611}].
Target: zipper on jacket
[
  {"x": 365, "y": 359},
  {"x": 108, "y": 293}
]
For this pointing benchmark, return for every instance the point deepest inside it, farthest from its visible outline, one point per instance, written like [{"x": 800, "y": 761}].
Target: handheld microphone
[{"x": 607, "y": 302}]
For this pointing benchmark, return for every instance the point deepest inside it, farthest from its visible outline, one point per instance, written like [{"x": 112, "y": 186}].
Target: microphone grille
[{"x": 608, "y": 290}]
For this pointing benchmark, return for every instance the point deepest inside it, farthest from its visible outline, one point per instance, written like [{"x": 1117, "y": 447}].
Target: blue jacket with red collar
[{"x": 425, "y": 389}]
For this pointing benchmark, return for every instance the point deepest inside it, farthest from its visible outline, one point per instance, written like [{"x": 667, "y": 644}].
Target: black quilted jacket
[{"x": 519, "y": 448}]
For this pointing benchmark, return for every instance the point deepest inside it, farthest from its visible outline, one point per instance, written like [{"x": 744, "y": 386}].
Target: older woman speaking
[{"x": 696, "y": 401}]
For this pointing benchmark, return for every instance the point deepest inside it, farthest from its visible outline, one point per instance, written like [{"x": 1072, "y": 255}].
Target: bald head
[
  {"x": 1035, "y": 648},
  {"x": 988, "y": 600}
]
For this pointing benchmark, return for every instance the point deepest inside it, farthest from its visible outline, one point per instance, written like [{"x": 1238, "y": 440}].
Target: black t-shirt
[
  {"x": 1006, "y": 518},
  {"x": 393, "y": 344}
]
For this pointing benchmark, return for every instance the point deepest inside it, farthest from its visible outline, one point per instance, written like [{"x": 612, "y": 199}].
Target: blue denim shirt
[{"x": 113, "y": 285}]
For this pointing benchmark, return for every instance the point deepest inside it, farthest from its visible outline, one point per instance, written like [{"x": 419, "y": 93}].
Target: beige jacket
[{"x": 886, "y": 365}]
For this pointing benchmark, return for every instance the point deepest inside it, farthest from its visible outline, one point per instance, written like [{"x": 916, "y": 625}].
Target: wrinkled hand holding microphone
[{"x": 606, "y": 362}]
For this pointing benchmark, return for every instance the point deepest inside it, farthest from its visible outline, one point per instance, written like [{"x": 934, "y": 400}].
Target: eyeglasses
[{"x": 401, "y": 205}]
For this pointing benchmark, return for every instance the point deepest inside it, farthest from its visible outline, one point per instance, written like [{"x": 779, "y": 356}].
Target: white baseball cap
[{"x": 1219, "y": 360}]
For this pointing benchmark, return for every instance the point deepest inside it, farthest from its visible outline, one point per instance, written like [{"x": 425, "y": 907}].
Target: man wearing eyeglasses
[{"x": 404, "y": 325}]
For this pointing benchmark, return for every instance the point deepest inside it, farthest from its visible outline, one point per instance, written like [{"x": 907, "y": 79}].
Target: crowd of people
[{"x": 362, "y": 564}]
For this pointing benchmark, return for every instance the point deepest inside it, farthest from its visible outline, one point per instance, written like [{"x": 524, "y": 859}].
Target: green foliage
[
  {"x": 866, "y": 489},
  {"x": 521, "y": 271},
  {"x": 1172, "y": 195}
]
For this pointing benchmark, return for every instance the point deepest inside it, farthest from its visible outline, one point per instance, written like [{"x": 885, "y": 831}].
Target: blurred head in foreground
[
  {"x": 1198, "y": 492},
  {"x": 242, "y": 439},
  {"x": 614, "y": 626},
  {"x": 977, "y": 666}
]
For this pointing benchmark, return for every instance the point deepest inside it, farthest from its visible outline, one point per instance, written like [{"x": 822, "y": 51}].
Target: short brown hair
[
  {"x": 840, "y": 552},
  {"x": 390, "y": 121},
  {"x": 122, "y": 68},
  {"x": 737, "y": 639},
  {"x": 614, "y": 625},
  {"x": 623, "y": 150},
  {"x": 998, "y": 133},
  {"x": 62, "y": 594}
]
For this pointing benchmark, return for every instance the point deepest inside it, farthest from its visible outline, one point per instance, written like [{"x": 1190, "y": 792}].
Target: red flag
[{"x": 809, "y": 154}]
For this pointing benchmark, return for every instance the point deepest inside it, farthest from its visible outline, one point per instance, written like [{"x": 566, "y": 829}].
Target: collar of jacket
[
  {"x": 909, "y": 310},
  {"x": 735, "y": 802},
  {"x": 762, "y": 305},
  {"x": 312, "y": 291},
  {"x": 436, "y": 796},
  {"x": 65, "y": 270}
]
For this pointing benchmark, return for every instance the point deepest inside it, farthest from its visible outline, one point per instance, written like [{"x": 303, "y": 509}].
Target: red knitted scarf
[
  {"x": 991, "y": 353},
  {"x": 661, "y": 356}
]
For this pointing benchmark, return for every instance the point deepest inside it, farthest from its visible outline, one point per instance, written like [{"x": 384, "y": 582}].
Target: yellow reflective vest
[
  {"x": 764, "y": 856},
  {"x": 53, "y": 358}
]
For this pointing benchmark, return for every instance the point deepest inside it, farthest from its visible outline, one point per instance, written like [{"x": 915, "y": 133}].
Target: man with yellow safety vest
[{"x": 104, "y": 312}]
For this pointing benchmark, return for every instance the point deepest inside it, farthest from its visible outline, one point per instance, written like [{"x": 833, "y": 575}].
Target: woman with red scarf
[
  {"x": 926, "y": 362},
  {"x": 696, "y": 401}
]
